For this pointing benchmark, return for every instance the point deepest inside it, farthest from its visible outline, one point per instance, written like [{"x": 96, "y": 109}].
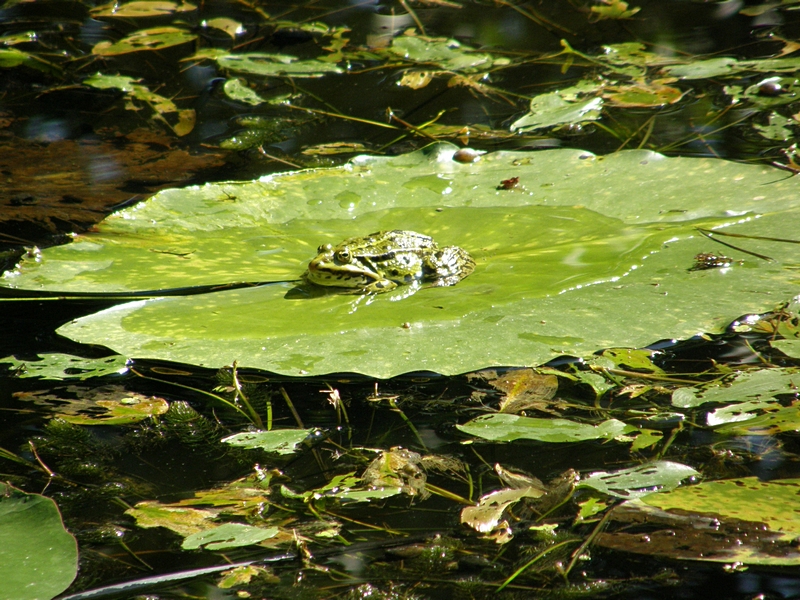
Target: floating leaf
[
  {"x": 236, "y": 89},
  {"x": 725, "y": 66},
  {"x": 141, "y": 8},
  {"x": 524, "y": 389},
  {"x": 416, "y": 79},
  {"x": 777, "y": 128},
  {"x": 776, "y": 419},
  {"x": 156, "y": 38},
  {"x": 614, "y": 9},
  {"x": 280, "y": 441},
  {"x": 11, "y": 57},
  {"x": 105, "y": 405},
  {"x": 552, "y": 109},
  {"x": 586, "y": 253},
  {"x": 743, "y": 521},
  {"x": 767, "y": 93},
  {"x": 745, "y": 386},
  {"x": 38, "y": 557},
  {"x": 271, "y": 65},
  {"x": 136, "y": 91},
  {"x": 485, "y": 517},
  {"x": 65, "y": 366},
  {"x": 183, "y": 521},
  {"x": 228, "y": 535},
  {"x": 229, "y": 26},
  {"x": 642, "y": 95},
  {"x": 507, "y": 428},
  {"x": 448, "y": 55},
  {"x": 638, "y": 481}
]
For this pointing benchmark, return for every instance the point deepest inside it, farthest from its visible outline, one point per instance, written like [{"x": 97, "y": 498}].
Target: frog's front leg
[{"x": 379, "y": 286}]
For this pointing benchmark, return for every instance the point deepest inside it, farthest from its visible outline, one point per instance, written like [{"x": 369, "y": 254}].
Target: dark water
[{"x": 72, "y": 153}]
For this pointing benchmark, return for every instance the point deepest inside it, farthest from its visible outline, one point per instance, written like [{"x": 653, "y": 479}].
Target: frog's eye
[{"x": 343, "y": 255}]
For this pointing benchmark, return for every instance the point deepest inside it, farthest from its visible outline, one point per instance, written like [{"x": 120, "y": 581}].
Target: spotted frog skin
[{"x": 382, "y": 261}]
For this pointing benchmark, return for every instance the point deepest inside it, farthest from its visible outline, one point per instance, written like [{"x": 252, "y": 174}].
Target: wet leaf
[
  {"x": 11, "y": 57},
  {"x": 181, "y": 520},
  {"x": 156, "y": 38},
  {"x": 397, "y": 468},
  {"x": 135, "y": 91},
  {"x": 524, "y": 389},
  {"x": 280, "y": 441},
  {"x": 228, "y": 535},
  {"x": 334, "y": 149},
  {"x": 635, "y": 482},
  {"x": 487, "y": 515},
  {"x": 733, "y": 521},
  {"x": 141, "y": 8},
  {"x": 245, "y": 575},
  {"x": 105, "y": 405},
  {"x": 774, "y": 420},
  {"x": 38, "y": 557},
  {"x": 777, "y": 128},
  {"x": 548, "y": 110},
  {"x": 743, "y": 386},
  {"x": 416, "y": 79},
  {"x": 229, "y": 26},
  {"x": 448, "y": 55},
  {"x": 64, "y": 366},
  {"x": 614, "y": 9},
  {"x": 725, "y": 66},
  {"x": 270, "y": 65},
  {"x": 767, "y": 93},
  {"x": 642, "y": 95},
  {"x": 507, "y": 428},
  {"x": 236, "y": 89},
  {"x": 567, "y": 270}
]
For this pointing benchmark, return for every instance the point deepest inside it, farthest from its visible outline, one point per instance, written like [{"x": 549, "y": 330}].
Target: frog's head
[{"x": 337, "y": 267}]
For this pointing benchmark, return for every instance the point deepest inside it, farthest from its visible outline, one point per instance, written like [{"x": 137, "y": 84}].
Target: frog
[{"x": 385, "y": 260}]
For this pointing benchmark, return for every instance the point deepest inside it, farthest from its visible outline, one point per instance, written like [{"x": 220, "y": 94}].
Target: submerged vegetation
[{"x": 606, "y": 407}]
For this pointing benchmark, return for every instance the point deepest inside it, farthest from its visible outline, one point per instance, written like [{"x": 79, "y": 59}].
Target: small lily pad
[
  {"x": 156, "y": 38},
  {"x": 507, "y": 428},
  {"x": 280, "y": 441},
  {"x": 228, "y": 535}
]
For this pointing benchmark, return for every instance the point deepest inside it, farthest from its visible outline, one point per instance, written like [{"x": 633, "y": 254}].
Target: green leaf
[
  {"x": 38, "y": 557},
  {"x": 744, "y": 386},
  {"x": 272, "y": 65},
  {"x": 11, "y": 57},
  {"x": 775, "y": 420},
  {"x": 141, "y": 8},
  {"x": 661, "y": 475},
  {"x": 64, "y": 366},
  {"x": 507, "y": 428},
  {"x": 585, "y": 253},
  {"x": 448, "y": 55},
  {"x": 155, "y": 38},
  {"x": 236, "y": 89},
  {"x": 743, "y": 521},
  {"x": 229, "y": 535},
  {"x": 136, "y": 91},
  {"x": 725, "y": 66},
  {"x": 767, "y": 93},
  {"x": 281, "y": 441},
  {"x": 552, "y": 109}
]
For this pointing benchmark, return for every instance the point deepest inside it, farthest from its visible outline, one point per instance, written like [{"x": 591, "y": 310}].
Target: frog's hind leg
[{"x": 450, "y": 265}]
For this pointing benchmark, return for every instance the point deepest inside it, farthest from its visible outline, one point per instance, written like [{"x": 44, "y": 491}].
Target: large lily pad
[{"x": 585, "y": 252}]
